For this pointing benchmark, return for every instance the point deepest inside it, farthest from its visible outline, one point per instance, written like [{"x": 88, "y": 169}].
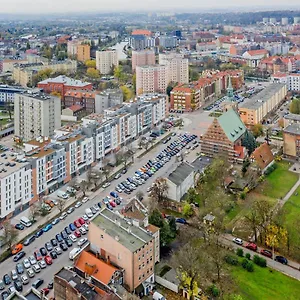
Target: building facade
[
  {"x": 142, "y": 58},
  {"x": 291, "y": 141},
  {"x": 256, "y": 109},
  {"x": 106, "y": 60},
  {"x": 83, "y": 52},
  {"x": 36, "y": 115},
  {"x": 151, "y": 79}
]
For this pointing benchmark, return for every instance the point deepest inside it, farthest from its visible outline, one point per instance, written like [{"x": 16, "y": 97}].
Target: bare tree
[
  {"x": 10, "y": 234},
  {"x": 84, "y": 187},
  {"x": 61, "y": 203},
  {"x": 106, "y": 170},
  {"x": 34, "y": 210},
  {"x": 73, "y": 183},
  {"x": 159, "y": 190}
]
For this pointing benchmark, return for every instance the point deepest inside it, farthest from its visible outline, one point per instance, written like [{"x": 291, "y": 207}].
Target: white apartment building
[
  {"x": 106, "y": 60},
  {"x": 178, "y": 66},
  {"x": 151, "y": 79},
  {"x": 36, "y": 114},
  {"x": 292, "y": 80},
  {"x": 15, "y": 184}
]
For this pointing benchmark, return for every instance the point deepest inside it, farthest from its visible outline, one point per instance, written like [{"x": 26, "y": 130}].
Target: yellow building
[
  {"x": 256, "y": 109},
  {"x": 83, "y": 52}
]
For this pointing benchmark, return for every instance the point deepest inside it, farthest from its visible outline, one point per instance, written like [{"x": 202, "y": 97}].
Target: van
[
  {"x": 73, "y": 253},
  {"x": 88, "y": 212},
  {"x": 63, "y": 195},
  {"x": 158, "y": 296},
  {"x": 25, "y": 221}
]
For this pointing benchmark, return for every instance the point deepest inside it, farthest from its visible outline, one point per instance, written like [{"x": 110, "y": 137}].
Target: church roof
[{"x": 232, "y": 125}]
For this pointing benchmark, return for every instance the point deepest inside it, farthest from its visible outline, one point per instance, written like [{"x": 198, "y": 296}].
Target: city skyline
[{"x": 55, "y": 6}]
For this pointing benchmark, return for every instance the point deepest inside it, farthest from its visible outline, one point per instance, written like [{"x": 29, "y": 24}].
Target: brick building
[{"x": 84, "y": 98}]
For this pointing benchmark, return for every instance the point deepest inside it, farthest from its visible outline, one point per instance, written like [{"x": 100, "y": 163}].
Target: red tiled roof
[
  {"x": 240, "y": 151},
  {"x": 95, "y": 267},
  {"x": 75, "y": 107},
  {"x": 141, "y": 32},
  {"x": 263, "y": 156},
  {"x": 257, "y": 52}
]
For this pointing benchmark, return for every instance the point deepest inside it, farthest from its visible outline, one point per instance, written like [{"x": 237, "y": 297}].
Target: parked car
[
  {"x": 251, "y": 246},
  {"x": 281, "y": 259},
  {"x": 82, "y": 230},
  {"x": 6, "y": 279},
  {"x": 181, "y": 220},
  {"x": 30, "y": 273},
  {"x": 67, "y": 230},
  {"x": 42, "y": 264},
  {"x": 43, "y": 251},
  {"x": 63, "y": 215},
  {"x": 32, "y": 260},
  {"x": 85, "y": 199},
  {"x": 48, "y": 260},
  {"x": 55, "y": 221},
  {"x": 19, "y": 255},
  {"x": 78, "y": 204},
  {"x": 53, "y": 254},
  {"x": 24, "y": 279},
  {"x": 77, "y": 224},
  {"x": 48, "y": 246},
  {"x": 82, "y": 241},
  {"x": 70, "y": 210},
  {"x": 47, "y": 227},
  {"x": 14, "y": 275},
  {"x": 38, "y": 283},
  {"x": 38, "y": 255},
  {"x": 26, "y": 263},
  {"x": 36, "y": 268},
  {"x": 68, "y": 242},
  {"x": 58, "y": 250},
  {"x": 19, "y": 268},
  {"x": 18, "y": 285},
  {"x": 238, "y": 241},
  {"x": 63, "y": 246},
  {"x": 77, "y": 233},
  {"x": 29, "y": 240},
  {"x": 265, "y": 252},
  {"x": 73, "y": 238},
  {"x": 54, "y": 242},
  {"x": 39, "y": 233},
  {"x": 19, "y": 226},
  {"x": 58, "y": 237}
]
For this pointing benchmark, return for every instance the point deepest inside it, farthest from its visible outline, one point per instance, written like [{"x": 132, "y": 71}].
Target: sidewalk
[{"x": 41, "y": 221}]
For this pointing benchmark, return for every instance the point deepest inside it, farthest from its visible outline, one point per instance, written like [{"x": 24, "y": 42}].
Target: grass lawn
[
  {"x": 279, "y": 182},
  {"x": 264, "y": 284}
]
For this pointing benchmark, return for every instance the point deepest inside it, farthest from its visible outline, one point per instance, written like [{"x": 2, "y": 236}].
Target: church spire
[{"x": 230, "y": 94}]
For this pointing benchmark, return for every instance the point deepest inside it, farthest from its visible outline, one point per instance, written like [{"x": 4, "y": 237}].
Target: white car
[
  {"x": 32, "y": 260},
  {"x": 73, "y": 238},
  {"x": 82, "y": 230},
  {"x": 42, "y": 264},
  {"x": 55, "y": 202},
  {"x": 58, "y": 250},
  {"x": 82, "y": 242},
  {"x": 105, "y": 185},
  {"x": 238, "y": 241},
  {"x": 14, "y": 275},
  {"x": 26, "y": 263},
  {"x": 24, "y": 279},
  {"x": 30, "y": 272},
  {"x": 78, "y": 204},
  {"x": 85, "y": 199},
  {"x": 96, "y": 207},
  {"x": 63, "y": 215},
  {"x": 85, "y": 217},
  {"x": 85, "y": 226},
  {"x": 36, "y": 268}
]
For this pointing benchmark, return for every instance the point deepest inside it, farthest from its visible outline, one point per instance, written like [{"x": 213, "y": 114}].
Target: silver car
[{"x": 26, "y": 263}]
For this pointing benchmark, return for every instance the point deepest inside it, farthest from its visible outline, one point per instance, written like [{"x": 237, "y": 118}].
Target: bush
[
  {"x": 259, "y": 261},
  {"x": 250, "y": 266},
  {"x": 240, "y": 252},
  {"x": 232, "y": 260},
  {"x": 214, "y": 291},
  {"x": 245, "y": 263},
  {"x": 5, "y": 255},
  {"x": 248, "y": 256}
]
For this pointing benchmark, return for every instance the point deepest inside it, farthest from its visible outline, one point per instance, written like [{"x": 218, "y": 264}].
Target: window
[{"x": 102, "y": 236}]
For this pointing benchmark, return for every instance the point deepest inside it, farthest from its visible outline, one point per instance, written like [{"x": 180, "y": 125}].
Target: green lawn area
[
  {"x": 264, "y": 284},
  {"x": 279, "y": 182}
]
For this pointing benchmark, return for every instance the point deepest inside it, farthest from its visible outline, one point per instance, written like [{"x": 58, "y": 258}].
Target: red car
[
  {"x": 45, "y": 291},
  {"x": 48, "y": 260},
  {"x": 77, "y": 233},
  {"x": 81, "y": 221},
  {"x": 77, "y": 223},
  {"x": 251, "y": 246},
  {"x": 112, "y": 203},
  {"x": 38, "y": 256},
  {"x": 267, "y": 253}
]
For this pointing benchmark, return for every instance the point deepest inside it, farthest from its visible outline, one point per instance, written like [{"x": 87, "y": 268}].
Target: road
[{"x": 63, "y": 259}]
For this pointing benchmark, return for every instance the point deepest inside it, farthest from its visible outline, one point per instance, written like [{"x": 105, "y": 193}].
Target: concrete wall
[{"x": 167, "y": 284}]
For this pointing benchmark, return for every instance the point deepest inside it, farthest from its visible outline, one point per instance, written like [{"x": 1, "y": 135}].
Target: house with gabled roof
[
  {"x": 224, "y": 137},
  {"x": 263, "y": 157}
]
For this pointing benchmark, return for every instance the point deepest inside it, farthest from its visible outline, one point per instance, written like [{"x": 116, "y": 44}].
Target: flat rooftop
[
  {"x": 294, "y": 117},
  {"x": 9, "y": 163},
  {"x": 66, "y": 81},
  {"x": 37, "y": 95},
  {"x": 181, "y": 173},
  {"x": 293, "y": 129},
  {"x": 259, "y": 99},
  {"x": 130, "y": 236}
]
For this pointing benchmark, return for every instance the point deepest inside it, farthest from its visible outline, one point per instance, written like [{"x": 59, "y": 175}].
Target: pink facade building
[
  {"x": 143, "y": 58},
  {"x": 151, "y": 79}
]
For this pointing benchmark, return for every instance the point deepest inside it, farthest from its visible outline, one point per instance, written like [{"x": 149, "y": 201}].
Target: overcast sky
[{"x": 52, "y": 6}]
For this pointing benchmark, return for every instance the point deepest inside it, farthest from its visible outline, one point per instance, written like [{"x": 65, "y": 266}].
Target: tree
[
  {"x": 56, "y": 94},
  {"x": 90, "y": 63},
  {"x": 245, "y": 166},
  {"x": 92, "y": 73},
  {"x": 84, "y": 187},
  {"x": 106, "y": 169},
  {"x": 139, "y": 195},
  {"x": 249, "y": 142},
  {"x": 191, "y": 195},
  {"x": 10, "y": 234},
  {"x": 295, "y": 106},
  {"x": 127, "y": 92},
  {"x": 274, "y": 236},
  {"x": 118, "y": 73},
  {"x": 159, "y": 190},
  {"x": 187, "y": 210},
  {"x": 193, "y": 75},
  {"x": 93, "y": 177},
  {"x": 33, "y": 212},
  {"x": 61, "y": 203},
  {"x": 257, "y": 130}
]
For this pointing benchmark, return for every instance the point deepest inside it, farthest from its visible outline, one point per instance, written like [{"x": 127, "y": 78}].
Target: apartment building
[
  {"x": 83, "y": 52},
  {"x": 108, "y": 98},
  {"x": 36, "y": 114},
  {"x": 62, "y": 84},
  {"x": 151, "y": 79},
  {"x": 15, "y": 184},
  {"x": 23, "y": 73},
  {"x": 106, "y": 61},
  {"x": 178, "y": 67},
  {"x": 253, "y": 57},
  {"x": 83, "y": 98},
  {"x": 255, "y": 109},
  {"x": 291, "y": 141},
  {"x": 142, "y": 58},
  {"x": 168, "y": 42},
  {"x": 126, "y": 245},
  {"x": 7, "y": 93},
  {"x": 7, "y": 65}
]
